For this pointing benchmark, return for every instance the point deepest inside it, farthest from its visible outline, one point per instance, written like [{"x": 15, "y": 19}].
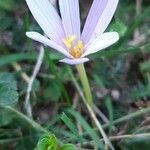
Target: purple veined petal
[
  {"x": 98, "y": 19},
  {"x": 95, "y": 13},
  {"x": 74, "y": 61},
  {"x": 102, "y": 42},
  {"x": 48, "y": 18},
  {"x": 44, "y": 40},
  {"x": 70, "y": 17}
]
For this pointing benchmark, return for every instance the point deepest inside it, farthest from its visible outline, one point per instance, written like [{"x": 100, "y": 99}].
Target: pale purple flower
[{"x": 64, "y": 33}]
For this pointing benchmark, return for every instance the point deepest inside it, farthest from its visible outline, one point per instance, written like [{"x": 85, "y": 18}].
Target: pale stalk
[
  {"x": 89, "y": 102},
  {"x": 85, "y": 83},
  {"x": 39, "y": 62}
]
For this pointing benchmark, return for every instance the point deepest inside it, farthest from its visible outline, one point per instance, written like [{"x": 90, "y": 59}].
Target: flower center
[{"x": 74, "y": 46}]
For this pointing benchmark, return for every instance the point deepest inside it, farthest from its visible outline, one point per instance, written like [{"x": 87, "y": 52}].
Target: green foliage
[
  {"x": 68, "y": 147},
  {"x": 8, "y": 59},
  {"x": 51, "y": 91},
  {"x": 87, "y": 128},
  {"x": 8, "y": 96},
  {"x": 145, "y": 66},
  {"x": 5, "y": 21},
  {"x": 8, "y": 90},
  {"x": 69, "y": 124},
  {"x": 135, "y": 144},
  {"x": 5, "y": 117},
  {"x": 109, "y": 107},
  {"x": 7, "y": 4},
  {"x": 124, "y": 67},
  {"x": 119, "y": 27},
  {"x": 140, "y": 91},
  {"x": 50, "y": 142}
]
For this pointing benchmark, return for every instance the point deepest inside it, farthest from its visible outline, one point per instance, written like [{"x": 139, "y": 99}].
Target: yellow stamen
[
  {"x": 72, "y": 38},
  {"x": 75, "y": 47},
  {"x": 75, "y": 52},
  {"x": 80, "y": 44},
  {"x": 68, "y": 41}
]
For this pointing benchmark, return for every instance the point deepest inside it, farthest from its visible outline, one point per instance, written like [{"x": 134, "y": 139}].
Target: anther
[
  {"x": 67, "y": 43},
  {"x": 75, "y": 47},
  {"x": 80, "y": 44},
  {"x": 72, "y": 38}
]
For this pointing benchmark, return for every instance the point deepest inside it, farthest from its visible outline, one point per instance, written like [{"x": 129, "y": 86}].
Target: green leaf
[
  {"x": 115, "y": 51},
  {"x": 135, "y": 144},
  {"x": 67, "y": 135},
  {"x": 139, "y": 91},
  {"x": 4, "y": 60},
  {"x": 5, "y": 21},
  {"x": 68, "y": 147},
  {"x": 7, "y": 4},
  {"x": 55, "y": 55},
  {"x": 53, "y": 91},
  {"x": 87, "y": 128},
  {"x": 118, "y": 27},
  {"x": 47, "y": 142},
  {"x": 69, "y": 124},
  {"x": 98, "y": 80},
  {"x": 136, "y": 23},
  {"x": 24, "y": 85},
  {"x": 8, "y": 90},
  {"x": 58, "y": 80},
  {"x": 5, "y": 117},
  {"x": 109, "y": 106},
  {"x": 145, "y": 66}
]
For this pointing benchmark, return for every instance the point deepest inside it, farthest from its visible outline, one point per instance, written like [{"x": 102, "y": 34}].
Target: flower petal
[
  {"x": 70, "y": 16},
  {"x": 42, "y": 39},
  {"x": 102, "y": 42},
  {"x": 99, "y": 18},
  {"x": 74, "y": 61},
  {"x": 47, "y": 17}
]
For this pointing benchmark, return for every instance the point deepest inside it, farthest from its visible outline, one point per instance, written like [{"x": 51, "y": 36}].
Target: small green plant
[{"x": 50, "y": 142}]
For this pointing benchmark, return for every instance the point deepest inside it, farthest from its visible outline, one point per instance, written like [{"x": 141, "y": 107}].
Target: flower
[{"x": 63, "y": 33}]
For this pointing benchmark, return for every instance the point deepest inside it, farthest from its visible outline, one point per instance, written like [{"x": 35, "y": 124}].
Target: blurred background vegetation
[{"x": 119, "y": 79}]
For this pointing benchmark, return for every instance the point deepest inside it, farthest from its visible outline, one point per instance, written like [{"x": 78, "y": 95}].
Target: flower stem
[
  {"x": 85, "y": 83},
  {"x": 87, "y": 98}
]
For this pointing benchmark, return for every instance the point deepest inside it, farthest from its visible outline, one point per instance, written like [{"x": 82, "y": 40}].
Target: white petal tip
[
  {"x": 103, "y": 41},
  {"x": 116, "y": 36},
  {"x": 74, "y": 61},
  {"x": 31, "y": 34},
  {"x": 27, "y": 34}
]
